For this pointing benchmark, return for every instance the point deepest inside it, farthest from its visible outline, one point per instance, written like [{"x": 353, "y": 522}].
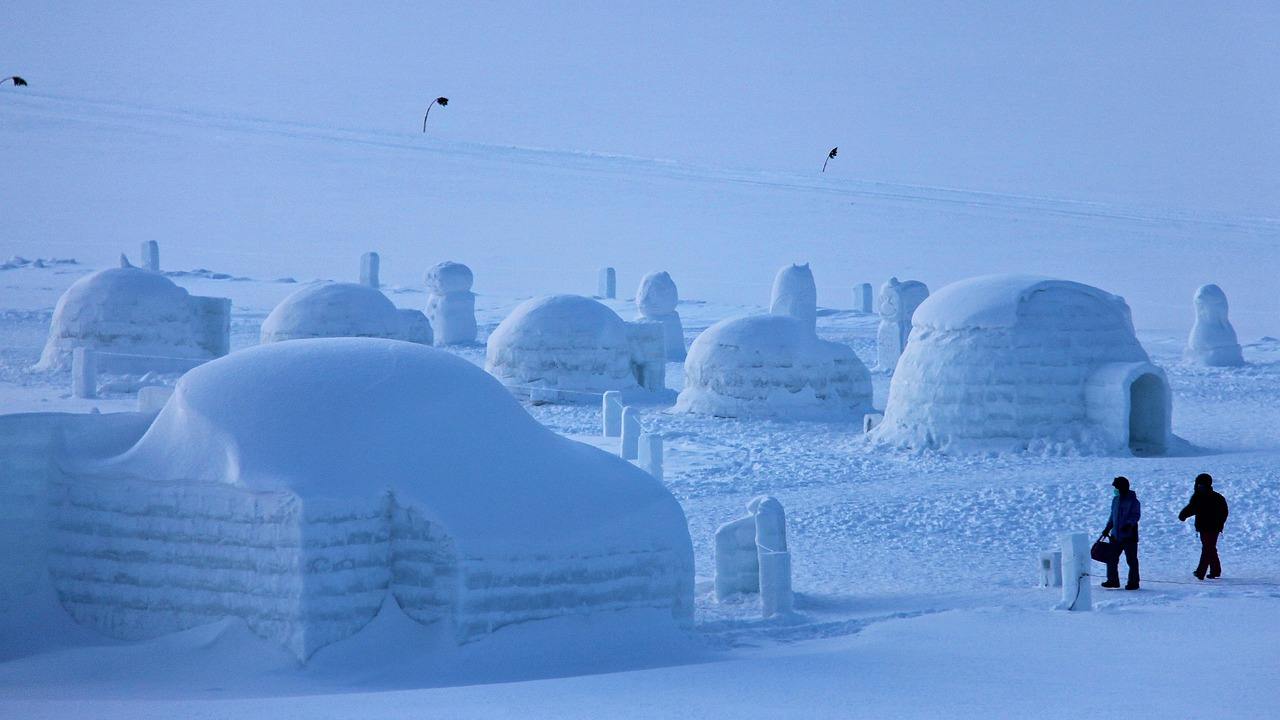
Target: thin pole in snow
[
  {"x": 830, "y": 156},
  {"x": 17, "y": 81},
  {"x": 441, "y": 101}
]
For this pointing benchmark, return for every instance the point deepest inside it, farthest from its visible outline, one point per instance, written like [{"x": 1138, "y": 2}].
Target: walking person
[
  {"x": 1210, "y": 511},
  {"x": 1122, "y": 528}
]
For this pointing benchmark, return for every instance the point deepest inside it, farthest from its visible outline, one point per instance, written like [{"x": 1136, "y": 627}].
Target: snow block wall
[
  {"x": 773, "y": 366},
  {"x": 340, "y": 310},
  {"x": 294, "y": 485},
  {"x": 1213, "y": 340},
  {"x": 1013, "y": 362},
  {"x": 451, "y": 306},
  {"x": 133, "y": 311}
]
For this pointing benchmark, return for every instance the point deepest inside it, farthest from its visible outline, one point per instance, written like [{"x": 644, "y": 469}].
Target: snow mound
[
  {"x": 565, "y": 342},
  {"x": 342, "y": 310},
  {"x": 130, "y": 310},
  {"x": 773, "y": 366},
  {"x": 1018, "y": 362},
  {"x": 1213, "y": 341}
]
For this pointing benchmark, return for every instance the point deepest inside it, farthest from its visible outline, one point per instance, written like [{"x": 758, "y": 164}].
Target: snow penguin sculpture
[
  {"x": 795, "y": 294},
  {"x": 656, "y": 299},
  {"x": 1213, "y": 341},
  {"x": 451, "y": 306}
]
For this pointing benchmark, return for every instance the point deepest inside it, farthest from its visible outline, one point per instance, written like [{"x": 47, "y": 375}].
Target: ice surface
[{"x": 1213, "y": 340}]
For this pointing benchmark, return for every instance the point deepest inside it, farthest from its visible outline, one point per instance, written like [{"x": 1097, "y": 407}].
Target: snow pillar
[
  {"x": 608, "y": 285},
  {"x": 151, "y": 256},
  {"x": 611, "y": 413},
  {"x": 1051, "y": 569},
  {"x": 451, "y": 306},
  {"x": 84, "y": 373},
  {"x": 1075, "y": 572},
  {"x": 864, "y": 300},
  {"x": 737, "y": 560},
  {"x": 369, "y": 269},
  {"x": 214, "y": 329},
  {"x": 775, "y": 583},
  {"x": 651, "y": 454},
  {"x": 648, "y": 354},
  {"x": 630, "y": 433}
]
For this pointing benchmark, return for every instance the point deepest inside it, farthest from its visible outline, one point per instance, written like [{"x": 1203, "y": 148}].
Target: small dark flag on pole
[
  {"x": 17, "y": 81},
  {"x": 830, "y": 156},
  {"x": 441, "y": 101}
]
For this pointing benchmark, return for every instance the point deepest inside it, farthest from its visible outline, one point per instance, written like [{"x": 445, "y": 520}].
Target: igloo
[
  {"x": 773, "y": 366},
  {"x": 131, "y": 311},
  {"x": 796, "y": 295},
  {"x": 656, "y": 300},
  {"x": 1016, "y": 362},
  {"x": 1213, "y": 340},
  {"x": 571, "y": 348},
  {"x": 451, "y": 306},
  {"x": 343, "y": 310},
  {"x": 298, "y": 485}
]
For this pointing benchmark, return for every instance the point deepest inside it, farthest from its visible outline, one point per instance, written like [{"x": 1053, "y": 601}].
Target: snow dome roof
[
  {"x": 567, "y": 342},
  {"x": 560, "y": 319},
  {"x": 332, "y": 310},
  {"x": 340, "y": 418},
  {"x": 992, "y": 301}
]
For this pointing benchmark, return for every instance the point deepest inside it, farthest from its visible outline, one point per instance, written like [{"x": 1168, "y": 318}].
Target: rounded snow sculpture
[
  {"x": 451, "y": 306},
  {"x": 299, "y": 485},
  {"x": 656, "y": 300},
  {"x": 1213, "y": 341},
  {"x": 570, "y": 343},
  {"x": 796, "y": 295},
  {"x": 1015, "y": 362},
  {"x": 343, "y": 310},
  {"x": 897, "y": 305},
  {"x": 133, "y": 311},
  {"x": 773, "y": 366}
]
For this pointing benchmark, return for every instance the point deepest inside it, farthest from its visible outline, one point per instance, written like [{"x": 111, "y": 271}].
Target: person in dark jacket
[
  {"x": 1210, "y": 511},
  {"x": 1122, "y": 528}
]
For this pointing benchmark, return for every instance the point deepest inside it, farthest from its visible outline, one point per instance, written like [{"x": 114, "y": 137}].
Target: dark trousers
[
  {"x": 1209, "y": 555},
  {"x": 1130, "y": 550}
]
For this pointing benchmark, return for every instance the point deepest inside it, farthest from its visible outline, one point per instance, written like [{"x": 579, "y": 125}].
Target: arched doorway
[{"x": 1148, "y": 411}]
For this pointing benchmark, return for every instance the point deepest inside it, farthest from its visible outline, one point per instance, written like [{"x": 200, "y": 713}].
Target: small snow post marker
[
  {"x": 369, "y": 269},
  {"x": 441, "y": 101},
  {"x": 651, "y": 454},
  {"x": 830, "y": 156},
  {"x": 1076, "y": 593},
  {"x": 864, "y": 299},
  {"x": 630, "y": 433},
  {"x": 608, "y": 285},
  {"x": 17, "y": 81},
  {"x": 611, "y": 412},
  {"x": 151, "y": 256},
  {"x": 84, "y": 373}
]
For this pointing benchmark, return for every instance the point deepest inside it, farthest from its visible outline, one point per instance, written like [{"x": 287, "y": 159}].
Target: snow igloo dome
[
  {"x": 343, "y": 310},
  {"x": 325, "y": 475},
  {"x": 136, "y": 311},
  {"x": 565, "y": 342},
  {"x": 773, "y": 366},
  {"x": 1018, "y": 362}
]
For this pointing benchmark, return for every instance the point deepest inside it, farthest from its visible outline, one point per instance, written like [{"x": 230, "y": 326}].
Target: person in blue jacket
[{"x": 1122, "y": 528}]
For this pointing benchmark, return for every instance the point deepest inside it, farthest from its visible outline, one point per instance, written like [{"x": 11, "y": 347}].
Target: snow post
[
  {"x": 630, "y": 433},
  {"x": 774, "y": 558},
  {"x": 611, "y": 412},
  {"x": 1051, "y": 569},
  {"x": 737, "y": 559},
  {"x": 151, "y": 256},
  {"x": 608, "y": 283},
  {"x": 369, "y": 269},
  {"x": 864, "y": 298},
  {"x": 651, "y": 453},
  {"x": 1075, "y": 572},
  {"x": 84, "y": 373}
]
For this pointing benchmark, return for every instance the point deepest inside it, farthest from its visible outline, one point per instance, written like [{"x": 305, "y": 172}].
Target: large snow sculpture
[
  {"x": 1213, "y": 341},
  {"x": 795, "y": 294},
  {"x": 898, "y": 303},
  {"x": 132, "y": 311},
  {"x": 656, "y": 300},
  {"x": 773, "y": 366},
  {"x": 451, "y": 306},
  {"x": 571, "y": 347},
  {"x": 297, "y": 485},
  {"x": 1015, "y": 362},
  {"x": 343, "y": 310}
]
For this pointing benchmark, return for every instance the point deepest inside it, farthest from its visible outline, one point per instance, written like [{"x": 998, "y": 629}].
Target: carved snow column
[
  {"x": 151, "y": 256},
  {"x": 1075, "y": 572},
  {"x": 864, "y": 298},
  {"x": 369, "y": 269},
  {"x": 611, "y": 413},
  {"x": 795, "y": 294},
  {"x": 656, "y": 299},
  {"x": 898, "y": 303},
  {"x": 84, "y": 373},
  {"x": 650, "y": 454},
  {"x": 1213, "y": 341},
  {"x": 608, "y": 284},
  {"x": 630, "y": 446},
  {"x": 451, "y": 306},
  {"x": 752, "y": 556},
  {"x": 646, "y": 340}
]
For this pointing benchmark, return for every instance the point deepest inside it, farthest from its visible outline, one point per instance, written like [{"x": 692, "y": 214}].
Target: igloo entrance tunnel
[{"x": 1016, "y": 362}]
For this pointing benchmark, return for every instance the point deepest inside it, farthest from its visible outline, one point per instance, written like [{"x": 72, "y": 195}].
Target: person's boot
[
  {"x": 1111, "y": 585},
  {"x": 1199, "y": 574},
  {"x": 1214, "y": 577},
  {"x": 1133, "y": 586}
]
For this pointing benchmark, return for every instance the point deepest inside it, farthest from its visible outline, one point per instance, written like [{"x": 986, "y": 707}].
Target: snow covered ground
[{"x": 915, "y": 572}]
